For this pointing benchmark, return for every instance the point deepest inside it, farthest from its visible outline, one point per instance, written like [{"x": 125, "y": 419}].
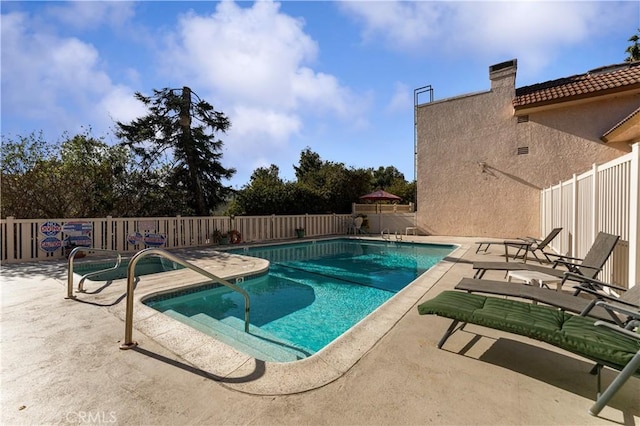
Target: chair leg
[
  {"x": 448, "y": 333},
  {"x": 533, "y": 252},
  {"x": 617, "y": 383},
  {"x": 515, "y": 256},
  {"x": 479, "y": 273}
]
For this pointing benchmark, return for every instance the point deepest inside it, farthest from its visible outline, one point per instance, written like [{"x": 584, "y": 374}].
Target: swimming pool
[
  {"x": 146, "y": 266},
  {"x": 313, "y": 293}
]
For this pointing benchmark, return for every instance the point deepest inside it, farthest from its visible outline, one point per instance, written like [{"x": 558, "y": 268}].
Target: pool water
[
  {"x": 145, "y": 266},
  {"x": 313, "y": 293}
]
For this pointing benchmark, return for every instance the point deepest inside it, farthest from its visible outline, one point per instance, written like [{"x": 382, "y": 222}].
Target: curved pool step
[{"x": 257, "y": 343}]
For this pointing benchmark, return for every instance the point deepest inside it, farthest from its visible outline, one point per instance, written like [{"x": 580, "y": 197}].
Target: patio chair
[
  {"x": 585, "y": 306},
  {"x": 528, "y": 244},
  {"x": 605, "y": 343},
  {"x": 589, "y": 267}
]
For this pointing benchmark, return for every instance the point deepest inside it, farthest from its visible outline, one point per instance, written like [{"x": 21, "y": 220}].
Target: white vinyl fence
[
  {"x": 38, "y": 239},
  {"x": 603, "y": 199}
]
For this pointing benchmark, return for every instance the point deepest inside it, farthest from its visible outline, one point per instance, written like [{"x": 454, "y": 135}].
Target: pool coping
[{"x": 247, "y": 374}]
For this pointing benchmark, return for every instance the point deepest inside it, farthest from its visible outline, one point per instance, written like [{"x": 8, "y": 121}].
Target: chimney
[{"x": 503, "y": 74}]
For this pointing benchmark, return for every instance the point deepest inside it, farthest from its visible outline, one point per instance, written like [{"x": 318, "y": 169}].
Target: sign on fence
[
  {"x": 154, "y": 240},
  {"x": 135, "y": 238},
  {"x": 51, "y": 242},
  {"x": 50, "y": 229}
]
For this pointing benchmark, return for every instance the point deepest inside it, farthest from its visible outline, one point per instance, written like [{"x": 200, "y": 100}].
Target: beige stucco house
[{"x": 482, "y": 158}]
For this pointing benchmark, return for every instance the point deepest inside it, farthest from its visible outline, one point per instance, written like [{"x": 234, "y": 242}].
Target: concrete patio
[{"x": 61, "y": 364}]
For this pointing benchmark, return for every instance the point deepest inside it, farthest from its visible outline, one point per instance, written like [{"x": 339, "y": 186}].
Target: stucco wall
[{"x": 471, "y": 179}]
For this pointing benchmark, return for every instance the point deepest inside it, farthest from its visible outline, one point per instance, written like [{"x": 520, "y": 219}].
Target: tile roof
[
  {"x": 600, "y": 81},
  {"x": 627, "y": 129}
]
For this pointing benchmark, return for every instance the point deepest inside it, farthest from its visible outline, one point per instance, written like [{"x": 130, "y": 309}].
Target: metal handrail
[
  {"x": 388, "y": 234},
  {"x": 72, "y": 256},
  {"x": 128, "y": 332}
]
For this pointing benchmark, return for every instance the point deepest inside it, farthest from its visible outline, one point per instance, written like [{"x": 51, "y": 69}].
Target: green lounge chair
[
  {"x": 590, "y": 266},
  {"x": 564, "y": 301},
  {"x": 605, "y": 343},
  {"x": 528, "y": 244}
]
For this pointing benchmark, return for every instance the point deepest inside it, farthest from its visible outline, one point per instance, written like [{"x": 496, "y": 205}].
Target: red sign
[
  {"x": 154, "y": 240},
  {"x": 50, "y": 229},
  {"x": 50, "y": 244}
]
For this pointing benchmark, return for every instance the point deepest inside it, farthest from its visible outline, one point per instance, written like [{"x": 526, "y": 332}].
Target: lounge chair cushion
[{"x": 570, "y": 332}]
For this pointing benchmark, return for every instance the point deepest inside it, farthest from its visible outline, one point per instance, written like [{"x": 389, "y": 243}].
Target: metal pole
[{"x": 128, "y": 332}]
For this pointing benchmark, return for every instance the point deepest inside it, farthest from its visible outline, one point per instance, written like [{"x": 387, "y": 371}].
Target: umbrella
[{"x": 380, "y": 195}]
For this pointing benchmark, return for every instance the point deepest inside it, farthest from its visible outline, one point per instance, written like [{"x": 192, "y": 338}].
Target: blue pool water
[
  {"x": 313, "y": 293},
  {"x": 145, "y": 266}
]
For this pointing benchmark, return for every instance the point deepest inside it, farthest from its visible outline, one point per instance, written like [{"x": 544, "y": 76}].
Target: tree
[
  {"x": 309, "y": 167},
  {"x": 634, "y": 50},
  {"x": 182, "y": 127},
  {"x": 79, "y": 177},
  {"x": 385, "y": 177},
  {"x": 265, "y": 193},
  {"x": 321, "y": 187},
  {"x": 405, "y": 190}
]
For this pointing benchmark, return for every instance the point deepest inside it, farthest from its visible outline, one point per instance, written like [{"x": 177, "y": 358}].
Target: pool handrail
[
  {"x": 70, "y": 260},
  {"x": 128, "y": 332}
]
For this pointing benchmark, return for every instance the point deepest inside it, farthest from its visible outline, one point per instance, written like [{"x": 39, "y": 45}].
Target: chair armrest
[
  {"x": 517, "y": 243},
  {"x": 618, "y": 329},
  {"x": 604, "y": 297},
  {"x": 563, "y": 257},
  {"x": 531, "y": 239},
  {"x": 591, "y": 282},
  {"x": 632, "y": 313},
  {"x": 571, "y": 267}
]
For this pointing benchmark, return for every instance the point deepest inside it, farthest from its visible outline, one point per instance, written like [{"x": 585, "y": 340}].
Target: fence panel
[
  {"x": 603, "y": 199},
  {"x": 24, "y": 240}
]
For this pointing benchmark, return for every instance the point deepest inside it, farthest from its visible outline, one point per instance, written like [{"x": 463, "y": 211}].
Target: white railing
[
  {"x": 24, "y": 240},
  {"x": 603, "y": 199}
]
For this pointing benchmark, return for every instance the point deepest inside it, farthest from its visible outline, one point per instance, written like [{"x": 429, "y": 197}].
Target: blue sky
[{"x": 338, "y": 77}]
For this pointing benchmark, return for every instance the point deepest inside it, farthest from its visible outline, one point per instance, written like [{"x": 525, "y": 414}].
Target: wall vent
[
  {"x": 523, "y": 118},
  {"x": 522, "y": 150}
]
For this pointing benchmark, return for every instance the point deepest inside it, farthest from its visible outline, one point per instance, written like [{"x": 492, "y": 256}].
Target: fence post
[
  {"x": 108, "y": 234},
  {"x": 11, "y": 248},
  {"x": 634, "y": 217},
  {"x": 596, "y": 202},
  {"x": 542, "y": 207},
  {"x": 306, "y": 222},
  {"x": 272, "y": 229},
  {"x": 560, "y": 207},
  {"x": 574, "y": 219}
]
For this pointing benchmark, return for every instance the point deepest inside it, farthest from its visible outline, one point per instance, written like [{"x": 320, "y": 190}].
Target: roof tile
[{"x": 598, "y": 80}]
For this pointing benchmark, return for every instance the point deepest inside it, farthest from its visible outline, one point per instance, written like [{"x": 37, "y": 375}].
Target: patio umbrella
[{"x": 380, "y": 195}]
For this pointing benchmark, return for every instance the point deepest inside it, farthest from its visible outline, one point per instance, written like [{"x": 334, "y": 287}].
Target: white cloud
[
  {"x": 256, "y": 124},
  {"x": 250, "y": 53},
  {"x": 92, "y": 14},
  {"x": 59, "y": 81},
  {"x": 401, "y": 100},
  {"x": 256, "y": 64},
  {"x": 402, "y": 25},
  {"x": 534, "y": 32},
  {"x": 119, "y": 105}
]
